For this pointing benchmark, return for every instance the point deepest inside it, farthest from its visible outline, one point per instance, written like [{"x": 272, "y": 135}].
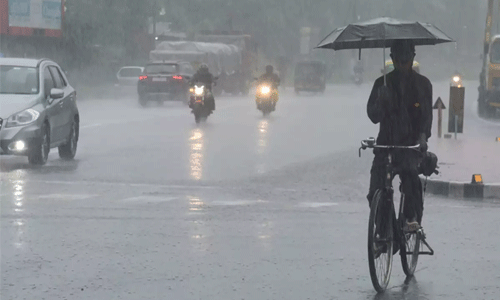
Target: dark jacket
[
  {"x": 272, "y": 78},
  {"x": 411, "y": 113},
  {"x": 206, "y": 78}
]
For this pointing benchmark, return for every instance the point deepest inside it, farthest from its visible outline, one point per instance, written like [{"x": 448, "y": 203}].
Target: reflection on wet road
[
  {"x": 196, "y": 143},
  {"x": 262, "y": 145}
]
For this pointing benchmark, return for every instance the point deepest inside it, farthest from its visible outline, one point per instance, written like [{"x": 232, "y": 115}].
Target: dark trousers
[{"x": 407, "y": 163}]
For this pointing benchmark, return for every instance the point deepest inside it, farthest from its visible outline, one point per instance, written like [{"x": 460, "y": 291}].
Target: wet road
[{"x": 242, "y": 207}]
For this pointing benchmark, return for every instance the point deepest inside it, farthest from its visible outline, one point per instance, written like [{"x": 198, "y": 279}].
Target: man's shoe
[{"x": 411, "y": 226}]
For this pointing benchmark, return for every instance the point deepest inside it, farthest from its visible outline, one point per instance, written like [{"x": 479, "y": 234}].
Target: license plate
[{"x": 160, "y": 79}]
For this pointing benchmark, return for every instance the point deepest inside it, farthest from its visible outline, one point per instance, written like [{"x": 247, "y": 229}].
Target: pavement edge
[{"x": 461, "y": 190}]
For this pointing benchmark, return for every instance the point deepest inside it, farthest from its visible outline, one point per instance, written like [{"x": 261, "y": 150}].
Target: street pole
[
  {"x": 154, "y": 19},
  {"x": 440, "y": 121},
  {"x": 439, "y": 105}
]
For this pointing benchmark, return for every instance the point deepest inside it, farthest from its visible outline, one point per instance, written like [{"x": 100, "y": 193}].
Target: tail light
[
  {"x": 143, "y": 77},
  {"x": 178, "y": 77}
]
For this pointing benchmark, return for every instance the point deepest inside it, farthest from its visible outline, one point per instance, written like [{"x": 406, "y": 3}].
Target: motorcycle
[
  {"x": 358, "y": 75},
  {"x": 266, "y": 97},
  {"x": 199, "y": 102},
  {"x": 358, "y": 78}
]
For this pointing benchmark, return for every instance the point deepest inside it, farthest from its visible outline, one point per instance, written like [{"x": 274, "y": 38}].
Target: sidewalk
[{"x": 475, "y": 151}]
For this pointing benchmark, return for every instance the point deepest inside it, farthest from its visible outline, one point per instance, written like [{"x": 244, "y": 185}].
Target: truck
[
  {"x": 489, "y": 78},
  {"x": 241, "y": 79},
  {"x": 31, "y": 28},
  {"x": 224, "y": 61}
]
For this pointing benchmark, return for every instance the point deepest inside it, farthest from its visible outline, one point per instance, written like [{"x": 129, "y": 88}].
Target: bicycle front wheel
[
  {"x": 380, "y": 241},
  {"x": 410, "y": 247}
]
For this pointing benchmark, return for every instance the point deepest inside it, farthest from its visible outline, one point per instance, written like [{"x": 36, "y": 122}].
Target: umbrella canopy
[{"x": 381, "y": 33}]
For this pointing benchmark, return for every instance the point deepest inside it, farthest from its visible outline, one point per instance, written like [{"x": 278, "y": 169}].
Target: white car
[
  {"x": 38, "y": 110},
  {"x": 129, "y": 75}
]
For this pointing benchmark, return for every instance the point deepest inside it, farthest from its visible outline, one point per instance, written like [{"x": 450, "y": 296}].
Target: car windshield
[
  {"x": 130, "y": 72},
  {"x": 161, "y": 69},
  {"x": 309, "y": 69},
  {"x": 18, "y": 80},
  {"x": 495, "y": 53}
]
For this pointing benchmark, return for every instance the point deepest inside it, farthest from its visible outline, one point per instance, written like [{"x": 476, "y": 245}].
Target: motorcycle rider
[
  {"x": 403, "y": 108},
  {"x": 270, "y": 77},
  {"x": 204, "y": 76}
]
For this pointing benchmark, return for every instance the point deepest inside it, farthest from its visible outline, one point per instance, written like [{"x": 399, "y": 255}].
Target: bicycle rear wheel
[
  {"x": 410, "y": 247},
  {"x": 380, "y": 241}
]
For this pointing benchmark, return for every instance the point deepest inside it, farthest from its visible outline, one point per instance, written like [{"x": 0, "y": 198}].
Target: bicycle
[{"x": 386, "y": 234}]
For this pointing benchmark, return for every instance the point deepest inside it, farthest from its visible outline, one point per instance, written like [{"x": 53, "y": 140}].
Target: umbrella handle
[{"x": 385, "y": 75}]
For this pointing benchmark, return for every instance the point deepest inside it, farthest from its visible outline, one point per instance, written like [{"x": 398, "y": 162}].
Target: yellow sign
[{"x": 477, "y": 178}]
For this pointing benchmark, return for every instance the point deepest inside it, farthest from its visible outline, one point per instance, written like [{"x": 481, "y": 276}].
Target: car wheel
[
  {"x": 40, "y": 153},
  {"x": 68, "y": 150},
  {"x": 143, "y": 101}
]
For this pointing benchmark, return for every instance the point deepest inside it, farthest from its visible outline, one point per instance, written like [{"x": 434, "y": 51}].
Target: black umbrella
[{"x": 381, "y": 33}]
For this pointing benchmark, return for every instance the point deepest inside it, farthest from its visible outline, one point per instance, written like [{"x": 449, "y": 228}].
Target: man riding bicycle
[{"x": 403, "y": 108}]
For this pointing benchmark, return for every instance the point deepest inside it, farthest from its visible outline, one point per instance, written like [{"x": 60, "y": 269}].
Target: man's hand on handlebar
[{"x": 423, "y": 143}]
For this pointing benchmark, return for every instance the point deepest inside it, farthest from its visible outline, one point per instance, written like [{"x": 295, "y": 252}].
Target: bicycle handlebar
[{"x": 370, "y": 143}]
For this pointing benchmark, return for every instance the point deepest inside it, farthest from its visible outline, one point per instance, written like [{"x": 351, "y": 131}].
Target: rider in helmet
[
  {"x": 204, "y": 76},
  {"x": 270, "y": 77}
]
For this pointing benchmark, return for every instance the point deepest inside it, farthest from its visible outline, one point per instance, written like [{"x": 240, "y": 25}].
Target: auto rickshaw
[
  {"x": 389, "y": 66},
  {"x": 310, "y": 76}
]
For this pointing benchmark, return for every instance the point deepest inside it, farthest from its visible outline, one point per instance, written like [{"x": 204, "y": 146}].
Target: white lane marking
[
  {"x": 317, "y": 204},
  {"x": 236, "y": 202},
  {"x": 125, "y": 184},
  {"x": 285, "y": 190},
  {"x": 90, "y": 126},
  {"x": 149, "y": 199},
  {"x": 66, "y": 196}
]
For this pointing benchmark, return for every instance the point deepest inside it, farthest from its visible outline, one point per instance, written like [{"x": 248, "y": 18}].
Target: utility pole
[{"x": 155, "y": 10}]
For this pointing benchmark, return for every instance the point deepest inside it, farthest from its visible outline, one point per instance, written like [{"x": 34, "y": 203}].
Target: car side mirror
[{"x": 56, "y": 94}]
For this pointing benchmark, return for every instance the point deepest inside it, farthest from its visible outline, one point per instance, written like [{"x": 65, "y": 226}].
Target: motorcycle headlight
[
  {"x": 198, "y": 90},
  {"x": 265, "y": 90},
  {"x": 23, "y": 118}
]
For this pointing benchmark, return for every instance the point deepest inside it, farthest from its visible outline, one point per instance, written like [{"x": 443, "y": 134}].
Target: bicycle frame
[{"x": 389, "y": 191}]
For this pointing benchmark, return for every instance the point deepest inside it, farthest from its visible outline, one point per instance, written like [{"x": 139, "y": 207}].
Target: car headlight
[
  {"x": 265, "y": 90},
  {"x": 198, "y": 90},
  {"x": 23, "y": 118}
]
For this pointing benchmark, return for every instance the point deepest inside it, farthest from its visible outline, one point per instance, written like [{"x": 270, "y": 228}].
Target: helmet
[
  {"x": 403, "y": 50},
  {"x": 269, "y": 69},
  {"x": 204, "y": 68}
]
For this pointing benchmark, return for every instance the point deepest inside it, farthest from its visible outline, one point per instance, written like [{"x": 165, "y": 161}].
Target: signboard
[
  {"x": 457, "y": 96},
  {"x": 44, "y": 14},
  {"x": 305, "y": 40}
]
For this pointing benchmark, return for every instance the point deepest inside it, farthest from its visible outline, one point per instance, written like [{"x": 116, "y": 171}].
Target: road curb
[{"x": 462, "y": 190}]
